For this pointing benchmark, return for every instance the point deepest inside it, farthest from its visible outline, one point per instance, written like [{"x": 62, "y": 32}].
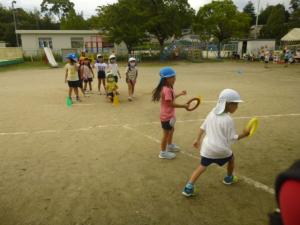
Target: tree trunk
[{"x": 219, "y": 49}]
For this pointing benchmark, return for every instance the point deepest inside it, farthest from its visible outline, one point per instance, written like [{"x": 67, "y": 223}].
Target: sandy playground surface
[{"x": 95, "y": 163}]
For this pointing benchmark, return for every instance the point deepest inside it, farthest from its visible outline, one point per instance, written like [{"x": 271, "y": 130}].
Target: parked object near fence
[
  {"x": 10, "y": 56},
  {"x": 50, "y": 57}
]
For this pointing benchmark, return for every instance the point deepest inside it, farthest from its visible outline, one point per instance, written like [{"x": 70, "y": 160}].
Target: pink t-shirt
[{"x": 167, "y": 112}]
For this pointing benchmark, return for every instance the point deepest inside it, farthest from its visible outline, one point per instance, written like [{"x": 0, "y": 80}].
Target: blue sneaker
[
  {"x": 230, "y": 180},
  {"x": 188, "y": 190}
]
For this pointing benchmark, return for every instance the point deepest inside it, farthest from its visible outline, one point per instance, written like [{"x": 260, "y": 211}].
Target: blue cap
[
  {"x": 72, "y": 56},
  {"x": 167, "y": 72}
]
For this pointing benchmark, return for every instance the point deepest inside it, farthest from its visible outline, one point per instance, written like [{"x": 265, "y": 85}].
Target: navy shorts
[
  {"x": 73, "y": 84},
  {"x": 221, "y": 162},
  {"x": 101, "y": 74},
  {"x": 168, "y": 125}
]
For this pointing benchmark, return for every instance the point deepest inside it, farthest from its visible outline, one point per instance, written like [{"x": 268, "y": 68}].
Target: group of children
[
  {"x": 215, "y": 136},
  {"x": 79, "y": 72},
  {"x": 216, "y": 133}
]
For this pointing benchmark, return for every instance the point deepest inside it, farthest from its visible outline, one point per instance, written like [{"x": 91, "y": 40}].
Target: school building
[{"x": 92, "y": 41}]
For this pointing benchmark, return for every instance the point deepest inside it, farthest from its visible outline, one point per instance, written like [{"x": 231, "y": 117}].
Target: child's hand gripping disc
[
  {"x": 252, "y": 126},
  {"x": 69, "y": 101},
  {"x": 193, "y": 103}
]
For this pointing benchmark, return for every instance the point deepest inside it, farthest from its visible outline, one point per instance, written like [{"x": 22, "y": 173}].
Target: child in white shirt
[
  {"x": 219, "y": 133},
  {"x": 113, "y": 67}
]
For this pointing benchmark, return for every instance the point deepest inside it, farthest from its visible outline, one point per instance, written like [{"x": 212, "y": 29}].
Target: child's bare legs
[
  {"x": 90, "y": 85},
  {"x": 99, "y": 84},
  {"x": 85, "y": 86},
  {"x": 76, "y": 93},
  {"x": 129, "y": 91},
  {"x": 70, "y": 92},
  {"x": 170, "y": 137},
  {"x": 197, "y": 172},
  {"x": 164, "y": 140},
  {"x": 230, "y": 167},
  {"x": 103, "y": 83}
]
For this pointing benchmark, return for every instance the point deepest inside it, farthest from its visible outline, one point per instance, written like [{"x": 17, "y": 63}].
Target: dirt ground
[{"x": 95, "y": 163}]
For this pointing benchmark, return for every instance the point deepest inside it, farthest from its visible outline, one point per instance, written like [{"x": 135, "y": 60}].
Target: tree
[
  {"x": 222, "y": 21},
  {"x": 165, "y": 18},
  {"x": 294, "y": 5},
  {"x": 60, "y": 8},
  {"x": 276, "y": 24},
  {"x": 250, "y": 10},
  {"x": 73, "y": 21},
  {"x": 295, "y": 14},
  {"x": 122, "y": 21}
]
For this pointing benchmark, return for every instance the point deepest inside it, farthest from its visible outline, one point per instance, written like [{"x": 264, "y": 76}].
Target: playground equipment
[
  {"x": 187, "y": 49},
  {"x": 50, "y": 57}
]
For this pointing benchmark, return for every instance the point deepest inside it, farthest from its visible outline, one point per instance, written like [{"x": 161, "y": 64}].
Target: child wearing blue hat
[
  {"x": 164, "y": 92},
  {"x": 71, "y": 75}
]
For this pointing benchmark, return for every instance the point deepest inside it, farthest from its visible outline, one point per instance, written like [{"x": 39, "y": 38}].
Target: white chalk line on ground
[
  {"x": 247, "y": 180},
  {"x": 134, "y": 125}
]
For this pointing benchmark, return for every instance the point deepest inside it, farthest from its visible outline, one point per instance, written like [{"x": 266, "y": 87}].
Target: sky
[{"x": 88, "y": 6}]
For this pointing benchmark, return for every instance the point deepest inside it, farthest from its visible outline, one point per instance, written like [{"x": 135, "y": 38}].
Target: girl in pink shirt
[{"x": 164, "y": 92}]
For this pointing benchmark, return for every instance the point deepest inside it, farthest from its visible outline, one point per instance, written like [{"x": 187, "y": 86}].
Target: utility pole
[
  {"x": 256, "y": 24},
  {"x": 15, "y": 22}
]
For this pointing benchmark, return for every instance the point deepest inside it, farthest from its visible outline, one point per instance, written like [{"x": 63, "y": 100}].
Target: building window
[
  {"x": 45, "y": 42},
  {"x": 77, "y": 42}
]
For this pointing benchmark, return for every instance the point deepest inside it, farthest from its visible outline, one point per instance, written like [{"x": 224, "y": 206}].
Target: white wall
[
  {"x": 254, "y": 45},
  {"x": 30, "y": 42}
]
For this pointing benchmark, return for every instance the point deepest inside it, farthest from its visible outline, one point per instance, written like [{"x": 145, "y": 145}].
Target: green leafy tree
[
  {"x": 165, "y": 18},
  {"x": 60, "y": 8},
  {"x": 276, "y": 24},
  {"x": 294, "y": 5},
  {"x": 73, "y": 21},
  {"x": 122, "y": 21},
  {"x": 221, "y": 20},
  {"x": 250, "y": 10},
  {"x": 295, "y": 14}
]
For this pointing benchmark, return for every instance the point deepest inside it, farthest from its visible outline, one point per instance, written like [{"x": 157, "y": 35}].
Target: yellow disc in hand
[{"x": 252, "y": 126}]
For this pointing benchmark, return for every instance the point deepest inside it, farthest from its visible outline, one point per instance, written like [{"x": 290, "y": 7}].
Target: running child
[
  {"x": 101, "y": 67},
  {"x": 87, "y": 74},
  {"x": 165, "y": 92},
  {"x": 111, "y": 87},
  {"x": 113, "y": 67},
  {"x": 218, "y": 134},
  {"x": 71, "y": 75},
  {"x": 131, "y": 76}
]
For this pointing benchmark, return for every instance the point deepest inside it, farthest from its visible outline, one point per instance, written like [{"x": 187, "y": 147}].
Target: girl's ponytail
[{"x": 156, "y": 93}]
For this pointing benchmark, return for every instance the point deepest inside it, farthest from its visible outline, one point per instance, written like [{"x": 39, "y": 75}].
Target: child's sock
[{"x": 189, "y": 185}]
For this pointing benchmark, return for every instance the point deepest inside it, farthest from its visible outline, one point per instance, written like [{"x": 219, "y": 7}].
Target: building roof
[
  {"x": 293, "y": 35},
  {"x": 59, "y": 31}
]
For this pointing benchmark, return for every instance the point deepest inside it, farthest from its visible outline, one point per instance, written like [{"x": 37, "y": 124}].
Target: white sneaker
[
  {"x": 173, "y": 148},
  {"x": 166, "y": 155}
]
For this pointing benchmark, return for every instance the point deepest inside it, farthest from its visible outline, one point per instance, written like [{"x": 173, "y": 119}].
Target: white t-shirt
[
  {"x": 113, "y": 68},
  {"x": 100, "y": 66},
  {"x": 219, "y": 135}
]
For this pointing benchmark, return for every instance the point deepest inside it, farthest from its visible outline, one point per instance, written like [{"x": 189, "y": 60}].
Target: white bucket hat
[
  {"x": 131, "y": 59},
  {"x": 227, "y": 95},
  {"x": 112, "y": 56}
]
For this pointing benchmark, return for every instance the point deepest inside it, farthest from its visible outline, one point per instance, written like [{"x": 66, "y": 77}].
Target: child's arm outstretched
[
  {"x": 245, "y": 133},
  {"x": 197, "y": 141},
  {"x": 175, "y": 105},
  {"x": 180, "y": 94}
]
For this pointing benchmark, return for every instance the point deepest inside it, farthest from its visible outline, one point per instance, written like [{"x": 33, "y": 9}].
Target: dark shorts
[
  {"x": 116, "y": 79},
  {"x": 221, "y": 162},
  {"x": 286, "y": 60},
  {"x": 73, "y": 84},
  {"x": 88, "y": 80},
  {"x": 266, "y": 61},
  {"x": 167, "y": 125},
  {"x": 110, "y": 95},
  {"x": 101, "y": 74}
]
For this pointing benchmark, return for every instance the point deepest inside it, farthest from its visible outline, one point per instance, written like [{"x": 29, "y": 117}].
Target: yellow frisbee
[{"x": 252, "y": 126}]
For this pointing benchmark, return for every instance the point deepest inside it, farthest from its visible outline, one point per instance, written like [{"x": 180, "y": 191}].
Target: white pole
[{"x": 256, "y": 30}]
